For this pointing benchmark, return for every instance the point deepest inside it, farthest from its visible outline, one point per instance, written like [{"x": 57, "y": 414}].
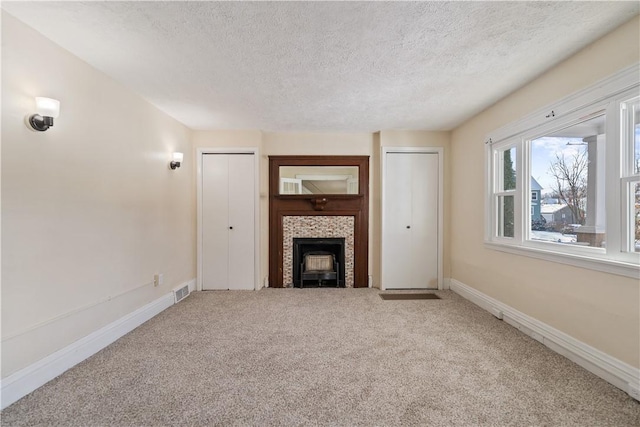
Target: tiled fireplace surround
[{"x": 329, "y": 226}]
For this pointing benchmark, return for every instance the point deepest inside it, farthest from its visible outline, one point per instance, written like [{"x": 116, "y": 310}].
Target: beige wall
[
  {"x": 90, "y": 209},
  {"x": 600, "y": 309},
  {"x": 225, "y": 138}
]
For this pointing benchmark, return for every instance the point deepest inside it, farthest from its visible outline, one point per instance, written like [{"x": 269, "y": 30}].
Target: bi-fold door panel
[
  {"x": 241, "y": 222},
  {"x": 398, "y": 220},
  {"x": 424, "y": 210},
  {"x": 215, "y": 219}
]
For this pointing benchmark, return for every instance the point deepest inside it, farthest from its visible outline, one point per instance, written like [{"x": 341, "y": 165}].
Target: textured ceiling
[{"x": 322, "y": 66}]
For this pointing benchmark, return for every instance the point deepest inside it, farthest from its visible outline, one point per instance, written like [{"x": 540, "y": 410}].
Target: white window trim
[
  {"x": 628, "y": 179},
  {"x": 620, "y": 82},
  {"x": 604, "y": 95},
  {"x": 619, "y": 268},
  {"x": 628, "y": 227}
]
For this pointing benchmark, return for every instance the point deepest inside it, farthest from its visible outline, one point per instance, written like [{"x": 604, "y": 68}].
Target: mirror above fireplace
[
  {"x": 313, "y": 176},
  {"x": 318, "y": 180}
]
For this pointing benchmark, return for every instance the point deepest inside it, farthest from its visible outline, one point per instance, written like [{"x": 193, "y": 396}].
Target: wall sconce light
[
  {"x": 176, "y": 159},
  {"x": 47, "y": 110}
]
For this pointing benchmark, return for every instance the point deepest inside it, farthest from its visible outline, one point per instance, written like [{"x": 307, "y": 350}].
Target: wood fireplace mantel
[{"x": 356, "y": 205}]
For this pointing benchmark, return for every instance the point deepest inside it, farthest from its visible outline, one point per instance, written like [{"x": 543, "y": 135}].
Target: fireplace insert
[{"x": 318, "y": 262}]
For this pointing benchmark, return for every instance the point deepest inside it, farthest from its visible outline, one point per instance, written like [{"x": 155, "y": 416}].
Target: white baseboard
[
  {"x": 26, "y": 380},
  {"x": 610, "y": 369}
]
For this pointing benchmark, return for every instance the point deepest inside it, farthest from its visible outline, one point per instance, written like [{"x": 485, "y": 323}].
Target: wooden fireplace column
[{"x": 356, "y": 205}]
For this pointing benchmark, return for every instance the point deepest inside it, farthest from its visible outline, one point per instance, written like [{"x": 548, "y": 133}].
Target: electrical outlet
[{"x": 158, "y": 279}]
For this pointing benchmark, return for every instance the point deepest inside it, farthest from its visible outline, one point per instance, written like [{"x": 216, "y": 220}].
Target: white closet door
[
  {"x": 228, "y": 221},
  {"x": 424, "y": 206},
  {"x": 410, "y": 239},
  {"x": 398, "y": 221},
  {"x": 215, "y": 221},
  {"x": 241, "y": 221}
]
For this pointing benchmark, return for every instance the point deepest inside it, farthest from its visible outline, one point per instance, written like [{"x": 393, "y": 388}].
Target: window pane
[
  {"x": 506, "y": 216},
  {"x": 568, "y": 172},
  {"x": 636, "y": 138},
  {"x": 508, "y": 169},
  {"x": 635, "y": 200},
  {"x": 632, "y": 124}
]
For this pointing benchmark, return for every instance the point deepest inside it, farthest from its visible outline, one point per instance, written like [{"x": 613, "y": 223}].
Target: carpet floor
[{"x": 339, "y": 357}]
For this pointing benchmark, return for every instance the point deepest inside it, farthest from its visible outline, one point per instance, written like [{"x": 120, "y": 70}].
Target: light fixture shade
[
  {"x": 47, "y": 107},
  {"x": 176, "y": 159}
]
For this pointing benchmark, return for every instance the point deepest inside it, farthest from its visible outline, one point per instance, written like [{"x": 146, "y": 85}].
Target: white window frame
[
  {"x": 605, "y": 97},
  {"x": 498, "y": 179},
  {"x": 629, "y": 178},
  {"x": 515, "y": 193}
]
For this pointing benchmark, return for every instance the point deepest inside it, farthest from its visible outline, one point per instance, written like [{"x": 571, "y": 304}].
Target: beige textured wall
[
  {"x": 90, "y": 208},
  {"x": 225, "y": 138},
  {"x": 600, "y": 309}
]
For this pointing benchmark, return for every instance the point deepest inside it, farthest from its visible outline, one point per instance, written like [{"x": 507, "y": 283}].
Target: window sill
[{"x": 619, "y": 268}]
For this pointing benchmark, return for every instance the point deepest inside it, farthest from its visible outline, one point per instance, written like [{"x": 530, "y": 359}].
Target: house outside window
[
  {"x": 580, "y": 165},
  {"x": 538, "y": 222}
]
